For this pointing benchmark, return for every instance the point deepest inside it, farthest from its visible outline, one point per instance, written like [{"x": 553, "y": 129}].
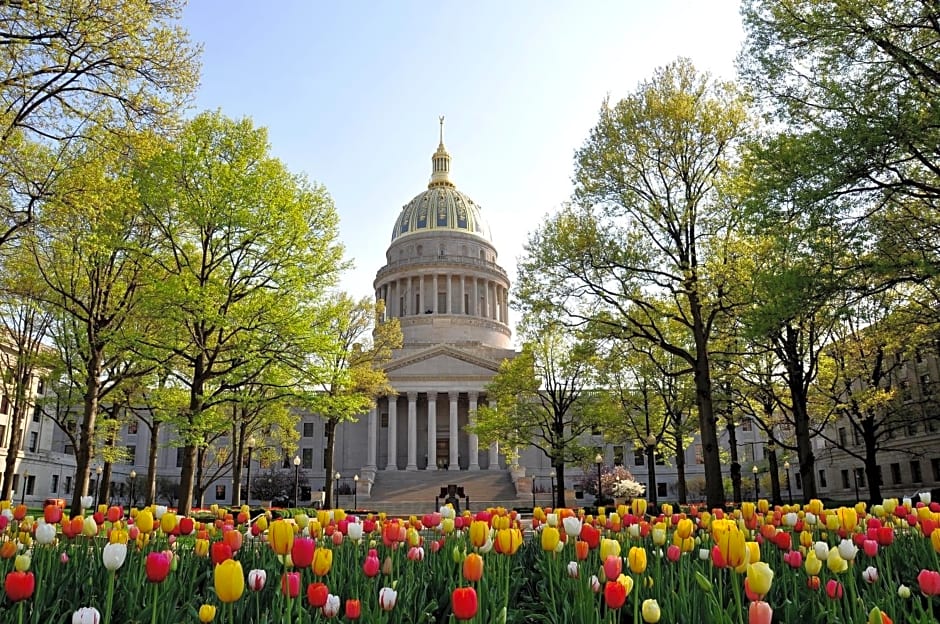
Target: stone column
[
  {"x": 373, "y": 439},
  {"x": 464, "y": 305},
  {"x": 474, "y": 443},
  {"x": 392, "y": 433},
  {"x": 412, "y": 431},
  {"x": 434, "y": 285},
  {"x": 454, "y": 458},
  {"x": 432, "y": 431},
  {"x": 450, "y": 293}
]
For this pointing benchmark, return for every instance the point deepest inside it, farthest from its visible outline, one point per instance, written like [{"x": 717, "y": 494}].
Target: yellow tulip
[
  {"x": 118, "y": 536},
  {"x": 812, "y": 563},
  {"x": 763, "y": 506},
  {"x": 659, "y": 537},
  {"x": 609, "y": 547},
  {"x": 753, "y": 549},
  {"x": 447, "y": 526},
  {"x": 144, "y": 521},
  {"x": 806, "y": 539},
  {"x": 322, "y": 561},
  {"x": 814, "y": 506},
  {"x": 229, "y": 580},
  {"x": 835, "y": 562},
  {"x": 685, "y": 528},
  {"x": 22, "y": 563},
  {"x": 201, "y": 548},
  {"x": 550, "y": 538},
  {"x": 733, "y": 547},
  {"x": 262, "y": 523},
  {"x": 627, "y": 582},
  {"x": 168, "y": 522},
  {"x": 281, "y": 536},
  {"x": 759, "y": 577},
  {"x": 833, "y": 522},
  {"x": 667, "y": 509},
  {"x": 935, "y": 540},
  {"x": 848, "y": 517},
  {"x": 479, "y": 532},
  {"x": 638, "y": 506},
  {"x": 637, "y": 559},
  {"x": 747, "y": 510},
  {"x": 206, "y": 613},
  {"x": 651, "y": 611},
  {"x": 509, "y": 540}
]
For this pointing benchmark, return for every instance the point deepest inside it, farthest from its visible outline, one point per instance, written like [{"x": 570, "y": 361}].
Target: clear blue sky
[{"x": 351, "y": 93}]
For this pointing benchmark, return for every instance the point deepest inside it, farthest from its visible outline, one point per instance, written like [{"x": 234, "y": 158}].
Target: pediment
[{"x": 442, "y": 361}]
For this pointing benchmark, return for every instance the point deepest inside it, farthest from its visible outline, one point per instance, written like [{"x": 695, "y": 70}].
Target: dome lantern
[{"x": 440, "y": 163}]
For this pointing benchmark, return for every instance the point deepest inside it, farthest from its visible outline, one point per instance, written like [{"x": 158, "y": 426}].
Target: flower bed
[{"x": 755, "y": 564}]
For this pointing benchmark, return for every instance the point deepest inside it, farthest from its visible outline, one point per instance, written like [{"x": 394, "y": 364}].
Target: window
[
  {"x": 926, "y": 388},
  {"x": 30, "y": 485},
  {"x": 699, "y": 459},
  {"x": 220, "y": 492},
  {"x": 308, "y": 429},
  {"x": 661, "y": 489},
  {"x": 306, "y": 457},
  {"x": 822, "y": 479},
  {"x": 895, "y": 473},
  {"x": 916, "y": 475},
  {"x": 69, "y": 449},
  {"x": 845, "y": 479},
  {"x": 618, "y": 455},
  {"x": 931, "y": 424},
  {"x": 54, "y": 488},
  {"x": 860, "y": 477},
  {"x": 638, "y": 458},
  {"x": 856, "y": 439},
  {"x": 3, "y": 435},
  {"x": 40, "y": 386},
  {"x": 384, "y": 420},
  {"x": 131, "y": 455},
  {"x": 132, "y": 428},
  {"x": 747, "y": 425},
  {"x": 919, "y": 356},
  {"x": 37, "y": 412},
  {"x": 660, "y": 459},
  {"x": 595, "y": 430},
  {"x": 16, "y": 483},
  {"x": 935, "y": 466},
  {"x": 843, "y": 437},
  {"x": 33, "y": 441},
  {"x": 68, "y": 484},
  {"x": 179, "y": 457},
  {"x": 5, "y": 405},
  {"x": 911, "y": 427},
  {"x": 798, "y": 478}
]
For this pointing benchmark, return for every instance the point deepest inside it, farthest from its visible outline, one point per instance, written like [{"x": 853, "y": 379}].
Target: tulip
[
  {"x": 615, "y": 595},
  {"x": 848, "y": 550},
  {"x": 673, "y": 553},
  {"x": 637, "y": 558},
  {"x": 638, "y": 506},
  {"x": 45, "y": 533},
  {"x": 573, "y": 570},
  {"x": 220, "y": 552},
  {"x": 354, "y": 532},
  {"x": 229, "y": 580},
  {"x": 609, "y": 547},
  {"x": 301, "y": 552},
  {"x": 113, "y": 556},
  {"x": 206, "y": 613},
  {"x": 479, "y": 532},
  {"x": 650, "y": 610},
  {"x": 317, "y": 594},
  {"x": 613, "y": 565},
  {"x": 19, "y": 585},
  {"x": 759, "y": 578},
  {"x": 331, "y": 607},
  {"x": 281, "y": 536},
  {"x": 870, "y": 574},
  {"x": 508, "y": 541},
  {"x": 290, "y": 584},
  {"x": 353, "y": 609},
  {"x": 157, "y": 567},
  {"x": 370, "y": 567},
  {"x": 473, "y": 567},
  {"x": 834, "y": 589},
  {"x": 201, "y": 547},
  {"x": 22, "y": 563},
  {"x": 322, "y": 561},
  {"x": 934, "y": 539},
  {"x": 387, "y": 598},
  {"x": 87, "y": 501},
  {"x": 813, "y": 564},
  {"x": 144, "y": 521},
  {"x": 89, "y": 527},
  {"x": 464, "y": 603},
  {"x": 759, "y": 613},
  {"x": 572, "y": 526},
  {"x": 904, "y": 591},
  {"x": 257, "y": 579},
  {"x": 416, "y": 553},
  {"x": 929, "y": 582},
  {"x": 86, "y": 615},
  {"x": 835, "y": 562},
  {"x": 550, "y": 538}
]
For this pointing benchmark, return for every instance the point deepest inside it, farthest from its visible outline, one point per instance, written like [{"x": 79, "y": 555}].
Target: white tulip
[
  {"x": 572, "y": 526},
  {"x": 573, "y": 570},
  {"x": 822, "y": 550},
  {"x": 354, "y": 530},
  {"x": 848, "y": 549},
  {"x": 45, "y": 533},
  {"x": 387, "y": 598},
  {"x": 86, "y": 615},
  {"x": 87, "y": 501},
  {"x": 925, "y": 498},
  {"x": 870, "y": 574},
  {"x": 158, "y": 511},
  {"x": 331, "y": 607},
  {"x": 113, "y": 556}
]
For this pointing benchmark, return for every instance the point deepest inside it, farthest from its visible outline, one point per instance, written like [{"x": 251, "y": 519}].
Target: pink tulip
[
  {"x": 834, "y": 589},
  {"x": 371, "y": 565},
  {"x": 870, "y": 547},
  {"x": 673, "y": 553},
  {"x": 929, "y": 581},
  {"x": 759, "y": 612},
  {"x": 612, "y": 567}
]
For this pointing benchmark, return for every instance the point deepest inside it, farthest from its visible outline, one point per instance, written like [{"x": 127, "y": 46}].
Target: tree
[
  {"x": 72, "y": 67},
  {"x": 247, "y": 253},
  {"x": 646, "y": 246},
  {"x": 543, "y": 398},
  {"x": 346, "y": 380}
]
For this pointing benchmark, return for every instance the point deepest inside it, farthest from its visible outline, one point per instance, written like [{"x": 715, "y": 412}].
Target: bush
[{"x": 610, "y": 476}]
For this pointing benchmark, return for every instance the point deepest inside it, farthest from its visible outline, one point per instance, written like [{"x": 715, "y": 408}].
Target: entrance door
[{"x": 443, "y": 453}]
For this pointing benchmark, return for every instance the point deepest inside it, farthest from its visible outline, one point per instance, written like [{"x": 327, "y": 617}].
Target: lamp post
[
  {"x": 651, "y": 470},
  {"x": 296, "y": 478},
  {"x": 533, "y": 492},
  {"x": 855, "y": 475},
  {"x": 98, "y": 470},
  {"x": 251, "y": 447},
  {"x": 355, "y": 492},
  {"x": 786, "y": 466},
  {"x": 599, "y": 460},
  {"x": 756, "y": 484},
  {"x": 551, "y": 475},
  {"x": 133, "y": 477},
  {"x": 23, "y": 493},
  {"x": 336, "y": 477}
]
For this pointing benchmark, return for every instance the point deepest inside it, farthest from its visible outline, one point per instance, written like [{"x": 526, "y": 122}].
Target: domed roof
[{"x": 442, "y": 207}]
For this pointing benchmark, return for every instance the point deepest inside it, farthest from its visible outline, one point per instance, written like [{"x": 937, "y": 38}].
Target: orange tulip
[{"x": 473, "y": 567}]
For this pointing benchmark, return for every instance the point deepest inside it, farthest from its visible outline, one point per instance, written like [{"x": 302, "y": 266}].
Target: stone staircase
[{"x": 406, "y": 493}]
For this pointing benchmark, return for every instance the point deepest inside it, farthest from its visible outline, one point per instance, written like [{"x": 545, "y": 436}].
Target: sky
[{"x": 351, "y": 93}]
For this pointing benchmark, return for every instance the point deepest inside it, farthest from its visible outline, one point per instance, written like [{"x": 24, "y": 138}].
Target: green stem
[
  {"x": 110, "y": 599},
  {"x": 19, "y": 612},
  {"x": 153, "y": 611}
]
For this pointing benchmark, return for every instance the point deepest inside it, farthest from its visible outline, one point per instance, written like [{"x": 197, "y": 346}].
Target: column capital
[
  {"x": 453, "y": 395},
  {"x": 412, "y": 396}
]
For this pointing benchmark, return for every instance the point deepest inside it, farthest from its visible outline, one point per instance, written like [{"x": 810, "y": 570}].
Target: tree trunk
[
  {"x": 150, "y": 497},
  {"x": 85, "y": 450},
  {"x": 104, "y": 484},
  {"x": 798, "y": 399},
  {"x": 560, "y": 492},
  {"x": 774, "y": 478},
  {"x": 735, "y": 460},
  {"x": 329, "y": 428},
  {"x": 871, "y": 462},
  {"x": 680, "y": 471},
  {"x": 13, "y": 451},
  {"x": 199, "y": 487},
  {"x": 238, "y": 435},
  {"x": 714, "y": 488},
  {"x": 188, "y": 471}
]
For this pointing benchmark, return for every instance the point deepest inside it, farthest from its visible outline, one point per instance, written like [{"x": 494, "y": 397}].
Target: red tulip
[
  {"x": 115, "y": 513},
  {"x": 590, "y": 535},
  {"x": 613, "y": 564},
  {"x": 673, "y": 553},
  {"x": 19, "y": 585},
  {"x": 885, "y": 536},
  {"x": 464, "y": 602},
  {"x": 186, "y": 525},
  {"x": 301, "y": 552},
  {"x": 929, "y": 582},
  {"x": 615, "y": 594},
  {"x": 220, "y": 551},
  {"x": 290, "y": 585},
  {"x": 157, "y": 566},
  {"x": 52, "y": 514},
  {"x": 317, "y": 594},
  {"x": 353, "y": 609},
  {"x": 834, "y": 589},
  {"x": 870, "y": 547}
]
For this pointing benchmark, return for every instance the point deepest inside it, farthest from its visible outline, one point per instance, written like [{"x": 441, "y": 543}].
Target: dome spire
[{"x": 440, "y": 163}]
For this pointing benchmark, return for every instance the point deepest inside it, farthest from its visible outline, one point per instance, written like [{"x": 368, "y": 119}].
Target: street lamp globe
[
  {"x": 598, "y": 459},
  {"x": 133, "y": 474},
  {"x": 786, "y": 465},
  {"x": 296, "y": 460}
]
